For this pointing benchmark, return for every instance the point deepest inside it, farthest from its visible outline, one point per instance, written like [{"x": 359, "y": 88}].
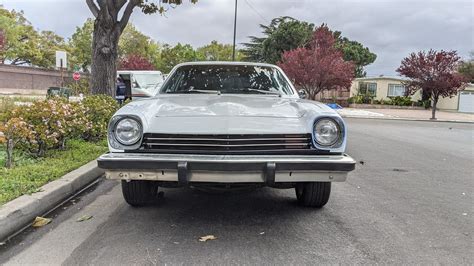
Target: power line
[{"x": 255, "y": 10}]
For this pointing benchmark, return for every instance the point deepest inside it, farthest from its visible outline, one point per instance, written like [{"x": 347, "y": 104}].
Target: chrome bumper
[{"x": 185, "y": 168}]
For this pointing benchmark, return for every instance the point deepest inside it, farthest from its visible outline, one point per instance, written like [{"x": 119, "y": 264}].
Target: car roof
[{"x": 225, "y": 63}]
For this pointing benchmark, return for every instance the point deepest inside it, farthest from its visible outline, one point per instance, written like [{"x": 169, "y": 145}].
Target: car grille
[{"x": 226, "y": 143}]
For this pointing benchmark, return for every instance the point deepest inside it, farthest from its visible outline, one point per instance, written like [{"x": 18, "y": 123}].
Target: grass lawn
[{"x": 28, "y": 173}]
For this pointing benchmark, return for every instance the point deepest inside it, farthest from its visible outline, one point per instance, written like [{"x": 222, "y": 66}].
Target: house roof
[{"x": 383, "y": 77}]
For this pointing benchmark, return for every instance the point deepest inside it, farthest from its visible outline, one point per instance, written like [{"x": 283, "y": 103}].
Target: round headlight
[
  {"x": 326, "y": 132},
  {"x": 128, "y": 131}
]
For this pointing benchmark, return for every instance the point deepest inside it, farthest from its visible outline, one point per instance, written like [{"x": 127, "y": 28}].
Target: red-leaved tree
[
  {"x": 319, "y": 66},
  {"x": 135, "y": 62},
  {"x": 435, "y": 73}
]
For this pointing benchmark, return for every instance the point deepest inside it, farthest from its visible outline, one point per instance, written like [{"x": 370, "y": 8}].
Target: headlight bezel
[
  {"x": 115, "y": 142},
  {"x": 341, "y": 133}
]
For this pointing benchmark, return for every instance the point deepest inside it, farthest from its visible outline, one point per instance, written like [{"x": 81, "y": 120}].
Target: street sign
[{"x": 76, "y": 76}]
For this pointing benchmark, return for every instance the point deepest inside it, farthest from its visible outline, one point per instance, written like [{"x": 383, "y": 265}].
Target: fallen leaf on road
[
  {"x": 208, "y": 237},
  {"x": 40, "y": 221},
  {"x": 84, "y": 218}
]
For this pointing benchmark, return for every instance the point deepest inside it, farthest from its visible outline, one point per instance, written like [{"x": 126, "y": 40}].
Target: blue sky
[{"x": 390, "y": 28}]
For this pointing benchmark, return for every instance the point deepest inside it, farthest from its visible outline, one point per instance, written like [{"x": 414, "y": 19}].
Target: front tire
[
  {"x": 139, "y": 192},
  {"x": 313, "y": 194}
]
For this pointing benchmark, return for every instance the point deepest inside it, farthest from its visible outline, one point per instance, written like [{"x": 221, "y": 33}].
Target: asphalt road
[{"x": 410, "y": 202}]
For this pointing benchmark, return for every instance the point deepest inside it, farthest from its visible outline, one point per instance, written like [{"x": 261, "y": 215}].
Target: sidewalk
[{"x": 406, "y": 114}]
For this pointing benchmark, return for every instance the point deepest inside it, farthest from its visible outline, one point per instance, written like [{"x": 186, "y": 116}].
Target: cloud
[{"x": 390, "y": 28}]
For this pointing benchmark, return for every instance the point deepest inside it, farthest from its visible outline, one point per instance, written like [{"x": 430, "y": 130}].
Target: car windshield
[
  {"x": 147, "y": 81},
  {"x": 236, "y": 79}
]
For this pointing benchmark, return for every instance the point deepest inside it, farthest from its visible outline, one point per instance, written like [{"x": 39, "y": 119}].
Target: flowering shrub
[
  {"x": 98, "y": 111},
  {"x": 15, "y": 131},
  {"x": 48, "y": 124},
  {"x": 51, "y": 122}
]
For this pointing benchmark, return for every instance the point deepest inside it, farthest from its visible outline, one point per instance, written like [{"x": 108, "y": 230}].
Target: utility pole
[{"x": 235, "y": 28}]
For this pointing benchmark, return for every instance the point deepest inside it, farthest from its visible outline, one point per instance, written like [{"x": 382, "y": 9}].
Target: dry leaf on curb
[
  {"x": 208, "y": 237},
  {"x": 40, "y": 221},
  {"x": 84, "y": 218}
]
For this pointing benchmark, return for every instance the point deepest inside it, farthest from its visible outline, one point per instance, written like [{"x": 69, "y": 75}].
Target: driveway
[{"x": 409, "y": 201}]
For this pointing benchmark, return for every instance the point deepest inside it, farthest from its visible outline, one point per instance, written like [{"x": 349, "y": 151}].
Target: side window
[
  {"x": 368, "y": 88},
  {"x": 396, "y": 90}
]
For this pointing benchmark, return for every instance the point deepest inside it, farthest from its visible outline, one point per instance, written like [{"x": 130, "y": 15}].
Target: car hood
[
  {"x": 227, "y": 106},
  {"x": 226, "y": 114}
]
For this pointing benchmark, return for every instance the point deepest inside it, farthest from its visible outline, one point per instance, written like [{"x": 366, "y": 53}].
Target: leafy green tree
[
  {"x": 286, "y": 33},
  {"x": 111, "y": 18},
  {"x": 25, "y": 45},
  {"x": 282, "y": 34},
  {"x": 171, "y": 56},
  {"x": 466, "y": 68},
  {"x": 49, "y": 43},
  {"x": 80, "y": 46},
  {"x": 218, "y": 52},
  {"x": 354, "y": 51},
  {"x": 133, "y": 42},
  {"x": 21, "y": 39}
]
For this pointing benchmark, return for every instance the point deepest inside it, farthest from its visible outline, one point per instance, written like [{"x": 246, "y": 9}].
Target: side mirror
[{"x": 302, "y": 94}]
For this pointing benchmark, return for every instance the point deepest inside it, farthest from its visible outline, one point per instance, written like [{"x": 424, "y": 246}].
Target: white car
[{"x": 227, "y": 124}]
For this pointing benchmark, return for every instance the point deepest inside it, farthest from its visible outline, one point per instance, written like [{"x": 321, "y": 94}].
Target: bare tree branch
[
  {"x": 127, "y": 13},
  {"x": 93, "y": 7}
]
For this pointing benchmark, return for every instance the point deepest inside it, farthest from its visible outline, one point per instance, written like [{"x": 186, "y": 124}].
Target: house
[
  {"x": 381, "y": 87},
  {"x": 384, "y": 87},
  {"x": 462, "y": 102}
]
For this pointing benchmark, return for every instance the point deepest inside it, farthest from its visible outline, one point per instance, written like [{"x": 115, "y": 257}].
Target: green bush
[
  {"x": 51, "y": 122},
  {"x": 98, "y": 111},
  {"x": 79, "y": 87},
  {"x": 47, "y": 124},
  {"x": 401, "y": 101}
]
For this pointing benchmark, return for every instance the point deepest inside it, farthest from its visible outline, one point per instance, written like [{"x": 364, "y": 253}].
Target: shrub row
[
  {"x": 48, "y": 124},
  {"x": 398, "y": 100}
]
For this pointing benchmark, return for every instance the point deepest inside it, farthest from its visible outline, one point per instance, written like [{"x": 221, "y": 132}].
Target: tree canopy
[
  {"x": 80, "y": 46},
  {"x": 319, "y": 66},
  {"x": 218, "y": 52},
  {"x": 282, "y": 34},
  {"x": 286, "y": 33},
  {"x": 355, "y": 52},
  {"x": 466, "y": 68},
  {"x": 135, "y": 62},
  {"x": 435, "y": 72}
]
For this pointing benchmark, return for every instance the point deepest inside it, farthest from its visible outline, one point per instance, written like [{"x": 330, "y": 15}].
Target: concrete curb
[
  {"x": 20, "y": 212},
  {"x": 407, "y": 119}
]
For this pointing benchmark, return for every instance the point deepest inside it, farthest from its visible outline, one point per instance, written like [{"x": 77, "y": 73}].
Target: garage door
[{"x": 466, "y": 102}]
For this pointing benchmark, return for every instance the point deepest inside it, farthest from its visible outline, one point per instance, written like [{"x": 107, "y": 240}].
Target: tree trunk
[
  {"x": 104, "y": 55},
  {"x": 9, "y": 160},
  {"x": 433, "y": 110}
]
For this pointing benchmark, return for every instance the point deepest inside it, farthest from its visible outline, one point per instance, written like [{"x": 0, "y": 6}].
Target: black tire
[
  {"x": 313, "y": 194},
  {"x": 139, "y": 192}
]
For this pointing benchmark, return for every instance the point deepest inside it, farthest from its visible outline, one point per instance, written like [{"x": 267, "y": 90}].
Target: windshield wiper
[
  {"x": 204, "y": 91},
  {"x": 263, "y": 91}
]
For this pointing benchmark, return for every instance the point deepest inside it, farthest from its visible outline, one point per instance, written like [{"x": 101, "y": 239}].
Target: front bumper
[{"x": 185, "y": 168}]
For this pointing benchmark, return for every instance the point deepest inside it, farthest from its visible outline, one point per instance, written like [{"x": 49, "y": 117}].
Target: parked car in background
[
  {"x": 227, "y": 124},
  {"x": 141, "y": 84}
]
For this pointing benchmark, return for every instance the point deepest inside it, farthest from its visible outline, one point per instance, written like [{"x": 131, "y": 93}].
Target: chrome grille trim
[{"x": 240, "y": 142}]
